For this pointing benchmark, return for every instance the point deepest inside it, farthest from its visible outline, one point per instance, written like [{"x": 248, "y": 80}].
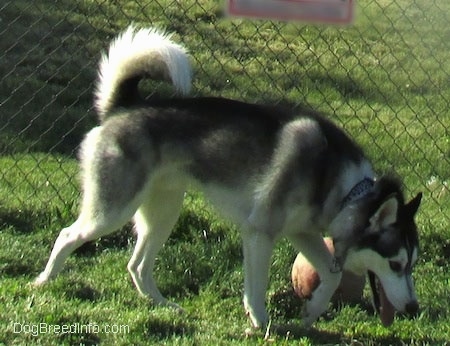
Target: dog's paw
[
  {"x": 314, "y": 307},
  {"x": 164, "y": 303},
  {"x": 40, "y": 280},
  {"x": 259, "y": 320},
  {"x": 175, "y": 307},
  {"x": 260, "y": 332},
  {"x": 307, "y": 318}
]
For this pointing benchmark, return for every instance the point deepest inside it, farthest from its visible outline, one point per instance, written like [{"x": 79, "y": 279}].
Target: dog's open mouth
[{"x": 382, "y": 304}]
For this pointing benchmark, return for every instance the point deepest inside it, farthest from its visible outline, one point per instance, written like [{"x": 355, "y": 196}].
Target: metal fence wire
[{"x": 49, "y": 50}]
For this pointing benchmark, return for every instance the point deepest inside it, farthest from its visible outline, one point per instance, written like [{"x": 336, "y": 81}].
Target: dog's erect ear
[
  {"x": 410, "y": 209},
  {"x": 385, "y": 215}
]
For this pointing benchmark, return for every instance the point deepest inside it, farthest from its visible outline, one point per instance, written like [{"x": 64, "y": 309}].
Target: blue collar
[{"x": 358, "y": 191}]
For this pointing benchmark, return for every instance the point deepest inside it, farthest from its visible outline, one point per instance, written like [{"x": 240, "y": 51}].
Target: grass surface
[{"x": 385, "y": 80}]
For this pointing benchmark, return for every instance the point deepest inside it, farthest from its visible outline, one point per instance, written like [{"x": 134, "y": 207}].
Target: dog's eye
[{"x": 395, "y": 266}]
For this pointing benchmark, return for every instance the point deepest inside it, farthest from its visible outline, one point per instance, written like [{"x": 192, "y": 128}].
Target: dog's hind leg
[
  {"x": 154, "y": 221},
  {"x": 313, "y": 247},
  {"x": 84, "y": 229},
  {"x": 258, "y": 247},
  {"x": 113, "y": 187}
]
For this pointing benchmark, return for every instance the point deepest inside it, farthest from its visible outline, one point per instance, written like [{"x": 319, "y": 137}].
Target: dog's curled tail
[{"x": 136, "y": 54}]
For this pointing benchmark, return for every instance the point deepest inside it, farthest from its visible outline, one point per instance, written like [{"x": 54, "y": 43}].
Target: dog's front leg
[
  {"x": 315, "y": 250},
  {"x": 258, "y": 247},
  {"x": 317, "y": 305}
]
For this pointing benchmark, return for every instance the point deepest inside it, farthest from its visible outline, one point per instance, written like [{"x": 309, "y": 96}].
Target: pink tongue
[{"x": 387, "y": 310}]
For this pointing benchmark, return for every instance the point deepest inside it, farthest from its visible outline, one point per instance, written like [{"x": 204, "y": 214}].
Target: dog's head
[{"x": 385, "y": 244}]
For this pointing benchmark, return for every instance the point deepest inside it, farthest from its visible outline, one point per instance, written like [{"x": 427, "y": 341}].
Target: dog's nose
[{"x": 412, "y": 308}]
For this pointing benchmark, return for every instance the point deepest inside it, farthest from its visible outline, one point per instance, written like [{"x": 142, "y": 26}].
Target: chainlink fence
[{"x": 49, "y": 52}]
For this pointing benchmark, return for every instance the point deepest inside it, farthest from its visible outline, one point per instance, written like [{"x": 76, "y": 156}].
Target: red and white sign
[{"x": 323, "y": 11}]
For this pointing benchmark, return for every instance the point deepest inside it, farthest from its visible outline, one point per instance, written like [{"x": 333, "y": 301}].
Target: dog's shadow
[
  {"x": 291, "y": 331},
  {"x": 286, "y": 305}
]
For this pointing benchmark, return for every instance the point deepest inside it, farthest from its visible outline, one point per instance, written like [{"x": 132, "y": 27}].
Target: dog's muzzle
[{"x": 382, "y": 304}]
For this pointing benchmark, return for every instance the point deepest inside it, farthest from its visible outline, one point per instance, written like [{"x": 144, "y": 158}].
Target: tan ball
[{"x": 305, "y": 280}]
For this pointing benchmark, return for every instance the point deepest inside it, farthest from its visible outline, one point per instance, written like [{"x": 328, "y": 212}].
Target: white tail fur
[{"x": 140, "y": 53}]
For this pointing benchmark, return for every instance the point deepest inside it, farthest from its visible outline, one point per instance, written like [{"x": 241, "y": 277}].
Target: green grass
[{"x": 384, "y": 79}]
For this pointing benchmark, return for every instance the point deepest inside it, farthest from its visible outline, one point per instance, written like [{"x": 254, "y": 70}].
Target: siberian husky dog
[{"x": 275, "y": 173}]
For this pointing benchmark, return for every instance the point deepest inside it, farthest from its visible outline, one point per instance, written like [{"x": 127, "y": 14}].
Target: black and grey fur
[{"x": 273, "y": 172}]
